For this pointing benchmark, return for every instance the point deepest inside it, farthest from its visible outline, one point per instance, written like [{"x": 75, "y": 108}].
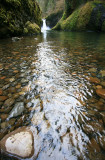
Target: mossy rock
[
  {"x": 90, "y": 16},
  {"x": 31, "y": 28},
  {"x": 15, "y": 13},
  {"x": 53, "y": 18}
]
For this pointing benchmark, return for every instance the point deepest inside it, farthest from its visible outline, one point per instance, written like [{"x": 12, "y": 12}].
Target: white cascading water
[{"x": 44, "y": 27}]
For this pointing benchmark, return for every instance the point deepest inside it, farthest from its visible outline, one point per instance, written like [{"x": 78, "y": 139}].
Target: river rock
[
  {"x": 93, "y": 80},
  {"x": 17, "y": 110},
  {"x": 12, "y": 79},
  {"x": 1, "y": 92},
  {"x": 101, "y": 93},
  {"x": 19, "y": 142},
  {"x": 3, "y": 98},
  {"x": 102, "y": 73},
  {"x": 6, "y": 86},
  {"x": 9, "y": 102},
  {"x": 98, "y": 87},
  {"x": 3, "y": 117},
  {"x": 102, "y": 142},
  {"x": 12, "y": 90},
  {"x": 7, "y": 123},
  {"x": 103, "y": 84},
  {"x": 92, "y": 70},
  {"x": 24, "y": 80}
]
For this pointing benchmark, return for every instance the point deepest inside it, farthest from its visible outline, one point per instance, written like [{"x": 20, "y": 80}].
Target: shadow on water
[{"x": 51, "y": 74}]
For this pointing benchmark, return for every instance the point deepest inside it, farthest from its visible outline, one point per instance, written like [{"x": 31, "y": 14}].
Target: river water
[{"x": 52, "y": 75}]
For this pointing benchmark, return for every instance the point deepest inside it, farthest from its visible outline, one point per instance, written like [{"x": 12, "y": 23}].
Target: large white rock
[{"x": 20, "y": 144}]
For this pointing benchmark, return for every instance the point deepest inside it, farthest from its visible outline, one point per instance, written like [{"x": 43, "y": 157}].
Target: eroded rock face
[{"x": 19, "y": 143}]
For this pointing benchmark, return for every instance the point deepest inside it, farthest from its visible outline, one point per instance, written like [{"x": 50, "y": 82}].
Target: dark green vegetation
[
  {"x": 83, "y": 16},
  {"x": 19, "y": 17}
]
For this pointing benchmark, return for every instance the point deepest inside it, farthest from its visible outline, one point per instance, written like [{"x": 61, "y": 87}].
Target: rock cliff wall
[
  {"x": 85, "y": 16},
  {"x": 14, "y": 15}
]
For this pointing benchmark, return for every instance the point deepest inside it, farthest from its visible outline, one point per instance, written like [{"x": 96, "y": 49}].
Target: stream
[{"x": 55, "y": 76}]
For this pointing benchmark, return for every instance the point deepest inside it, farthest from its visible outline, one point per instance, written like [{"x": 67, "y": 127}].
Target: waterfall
[{"x": 44, "y": 27}]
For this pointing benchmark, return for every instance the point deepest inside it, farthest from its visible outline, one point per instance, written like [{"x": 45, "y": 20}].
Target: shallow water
[{"x": 50, "y": 74}]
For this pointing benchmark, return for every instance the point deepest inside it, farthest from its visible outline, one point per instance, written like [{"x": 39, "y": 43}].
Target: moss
[
  {"x": 15, "y": 13},
  {"x": 87, "y": 17},
  {"x": 31, "y": 28},
  {"x": 84, "y": 15},
  {"x": 71, "y": 22}
]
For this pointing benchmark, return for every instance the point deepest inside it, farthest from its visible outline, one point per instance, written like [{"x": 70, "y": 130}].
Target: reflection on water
[{"x": 53, "y": 77}]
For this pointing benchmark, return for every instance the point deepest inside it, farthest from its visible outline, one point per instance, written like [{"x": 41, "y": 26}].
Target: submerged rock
[
  {"x": 103, "y": 84},
  {"x": 19, "y": 142},
  {"x": 101, "y": 93},
  {"x": 102, "y": 73},
  {"x": 1, "y": 92},
  {"x": 3, "y": 98},
  {"x": 102, "y": 142},
  {"x": 93, "y": 80},
  {"x": 9, "y": 102},
  {"x": 17, "y": 110}
]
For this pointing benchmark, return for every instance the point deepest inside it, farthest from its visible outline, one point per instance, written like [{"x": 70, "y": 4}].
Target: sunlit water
[{"x": 59, "y": 100}]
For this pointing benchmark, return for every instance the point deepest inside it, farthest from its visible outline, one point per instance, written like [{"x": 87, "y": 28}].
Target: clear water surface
[{"x": 50, "y": 74}]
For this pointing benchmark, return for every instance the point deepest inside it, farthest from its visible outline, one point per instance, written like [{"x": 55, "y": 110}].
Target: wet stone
[
  {"x": 3, "y": 98},
  {"x": 6, "y": 86},
  {"x": 3, "y": 117},
  {"x": 29, "y": 104},
  {"x": 12, "y": 79},
  {"x": 93, "y": 144},
  {"x": 6, "y": 124},
  {"x": 103, "y": 84},
  {"x": 102, "y": 142},
  {"x": 93, "y": 80},
  {"x": 24, "y": 81},
  {"x": 1, "y": 91},
  {"x": 18, "y": 86},
  {"x": 19, "y": 143},
  {"x": 12, "y": 90},
  {"x": 5, "y": 110},
  {"x": 9, "y": 102},
  {"x": 101, "y": 93},
  {"x": 103, "y": 116},
  {"x": 92, "y": 70},
  {"x": 98, "y": 87},
  {"x": 102, "y": 72},
  {"x": 17, "y": 110}
]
